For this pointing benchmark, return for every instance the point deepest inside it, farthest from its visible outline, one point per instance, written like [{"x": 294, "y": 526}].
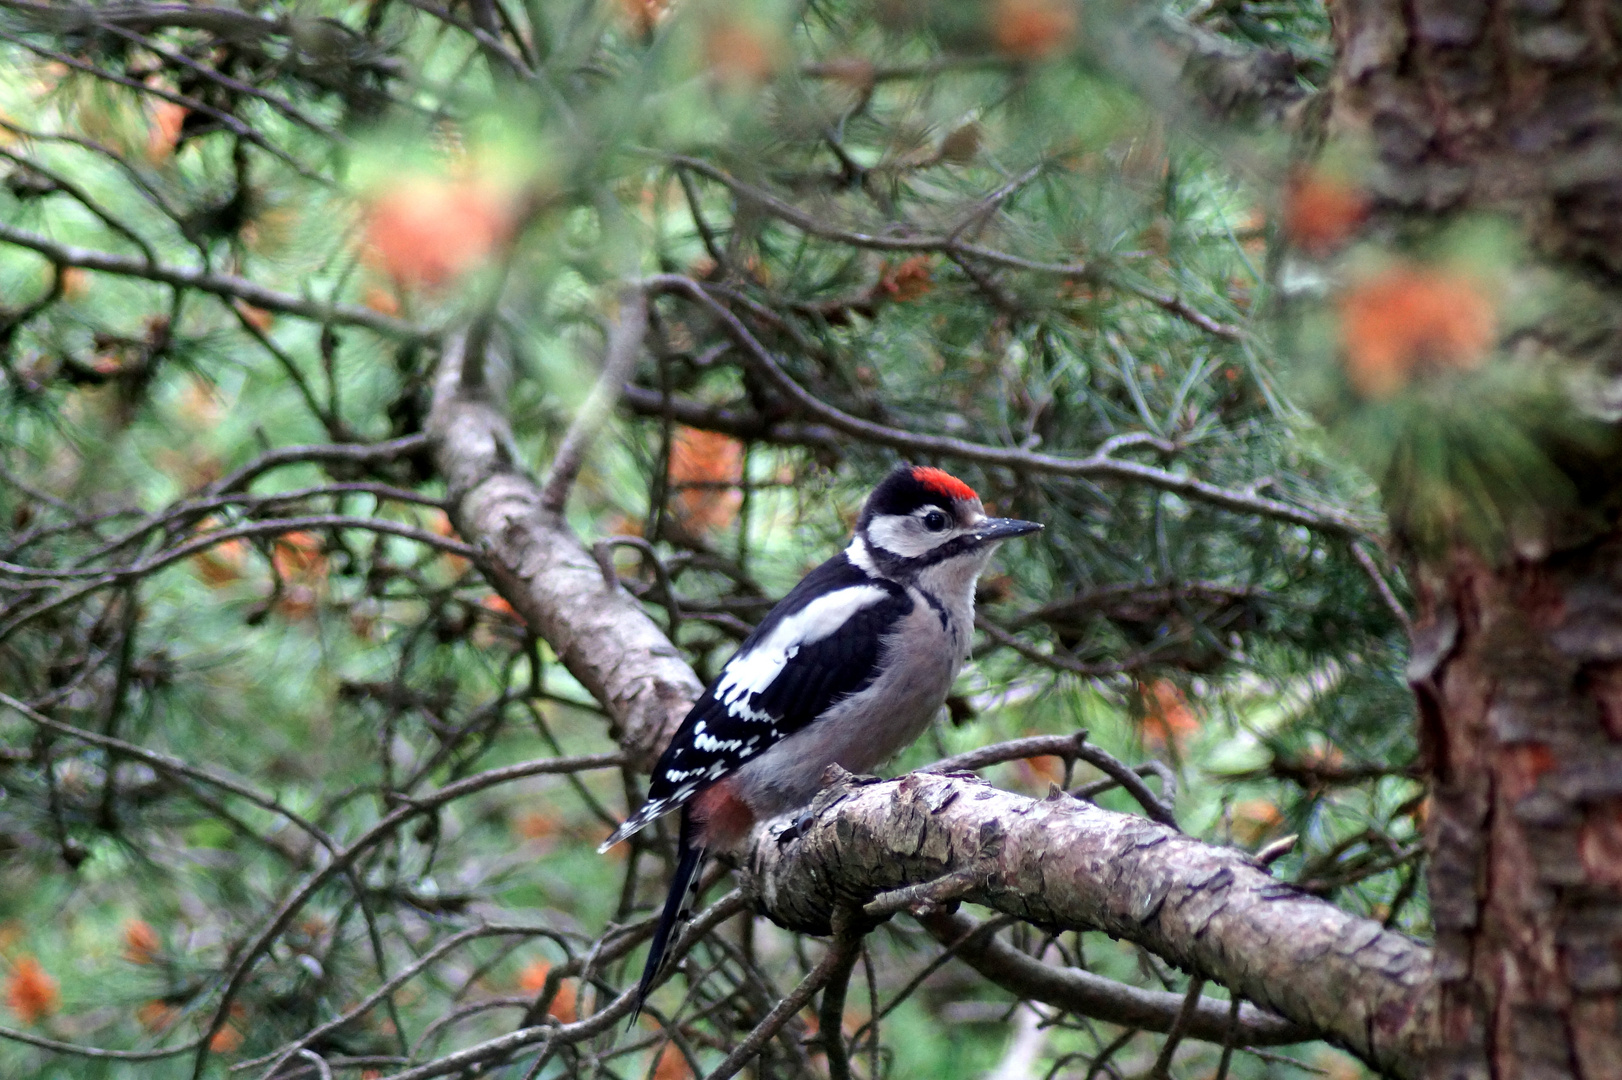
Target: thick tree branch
[
  {"x": 1064, "y": 864},
  {"x": 598, "y": 630}
]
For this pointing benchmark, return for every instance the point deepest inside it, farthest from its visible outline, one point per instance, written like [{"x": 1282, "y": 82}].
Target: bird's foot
[{"x": 796, "y": 828}]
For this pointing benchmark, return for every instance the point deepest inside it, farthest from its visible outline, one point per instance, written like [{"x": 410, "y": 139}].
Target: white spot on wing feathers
[{"x": 711, "y": 745}]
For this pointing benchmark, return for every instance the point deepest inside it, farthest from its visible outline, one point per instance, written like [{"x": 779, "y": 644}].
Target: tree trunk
[
  {"x": 1519, "y": 675},
  {"x": 1507, "y": 106},
  {"x": 1512, "y": 108}
]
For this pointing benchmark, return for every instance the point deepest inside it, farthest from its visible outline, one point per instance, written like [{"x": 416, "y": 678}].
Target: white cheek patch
[
  {"x": 752, "y": 672},
  {"x": 904, "y": 535}
]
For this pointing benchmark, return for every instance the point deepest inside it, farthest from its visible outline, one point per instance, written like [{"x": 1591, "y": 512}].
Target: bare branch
[
  {"x": 227, "y": 285},
  {"x": 1058, "y": 660},
  {"x": 1060, "y": 746},
  {"x": 1070, "y": 748},
  {"x": 224, "y": 21},
  {"x": 281, "y": 105},
  {"x": 838, "y": 959},
  {"x": 234, "y": 124},
  {"x": 728, "y": 421},
  {"x": 88, "y": 581},
  {"x": 1382, "y": 587},
  {"x": 345, "y": 859},
  {"x": 950, "y": 245},
  {"x": 492, "y": 46},
  {"x": 169, "y": 764},
  {"x": 1086, "y": 994},
  {"x": 1161, "y": 1070}
]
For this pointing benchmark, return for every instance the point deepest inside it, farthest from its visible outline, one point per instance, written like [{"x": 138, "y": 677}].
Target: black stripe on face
[
  {"x": 958, "y": 545},
  {"x": 890, "y": 563}
]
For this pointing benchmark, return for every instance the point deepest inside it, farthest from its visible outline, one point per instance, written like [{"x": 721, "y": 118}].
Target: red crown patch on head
[{"x": 943, "y": 483}]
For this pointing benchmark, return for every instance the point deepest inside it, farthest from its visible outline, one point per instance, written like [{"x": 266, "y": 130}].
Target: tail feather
[
  {"x": 649, "y": 812},
  {"x": 678, "y": 906}
]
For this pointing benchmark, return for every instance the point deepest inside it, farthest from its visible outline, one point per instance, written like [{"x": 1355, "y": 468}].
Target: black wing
[{"x": 777, "y": 682}]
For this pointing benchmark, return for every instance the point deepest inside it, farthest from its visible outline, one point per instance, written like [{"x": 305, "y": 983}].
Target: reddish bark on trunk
[{"x": 1519, "y": 676}]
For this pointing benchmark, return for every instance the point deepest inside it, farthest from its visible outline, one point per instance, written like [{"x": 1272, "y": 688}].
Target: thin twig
[
  {"x": 1161, "y": 1069},
  {"x": 831, "y": 1015},
  {"x": 488, "y": 43},
  {"x": 207, "y": 281},
  {"x": 1153, "y": 805},
  {"x": 235, "y": 125},
  {"x": 281, "y": 105},
  {"x": 1060, "y": 746},
  {"x": 345, "y": 858},
  {"x": 624, "y": 346},
  {"x": 101, "y": 578},
  {"x": 84, "y": 199},
  {"x": 1057, "y": 660},
  {"x": 165, "y": 763},
  {"x": 926, "y": 895},
  {"x": 1101, "y": 1061},
  {"x": 1382, "y": 587},
  {"x": 1094, "y": 788},
  {"x": 839, "y": 956},
  {"x": 1227, "y": 1039},
  {"x": 987, "y": 929},
  {"x": 951, "y": 246}
]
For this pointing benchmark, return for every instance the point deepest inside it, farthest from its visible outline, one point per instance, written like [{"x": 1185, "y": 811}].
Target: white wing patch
[{"x": 752, "y": 672}]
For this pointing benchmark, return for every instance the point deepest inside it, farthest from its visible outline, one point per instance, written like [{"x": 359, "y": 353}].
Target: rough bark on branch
[
  {"x": 598, "y": 630},
  {"x": 1064, "y": 864}
]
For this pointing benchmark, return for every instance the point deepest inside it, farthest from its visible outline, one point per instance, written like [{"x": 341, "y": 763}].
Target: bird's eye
[{"x": 934, "y": 521}]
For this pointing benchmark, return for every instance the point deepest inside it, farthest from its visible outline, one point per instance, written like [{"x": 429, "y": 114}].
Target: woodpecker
[{"x": 848, "y": 669}]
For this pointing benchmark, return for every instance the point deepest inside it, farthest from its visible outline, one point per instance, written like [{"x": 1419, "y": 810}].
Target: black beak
[{"x": 1005, "y": 528}]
